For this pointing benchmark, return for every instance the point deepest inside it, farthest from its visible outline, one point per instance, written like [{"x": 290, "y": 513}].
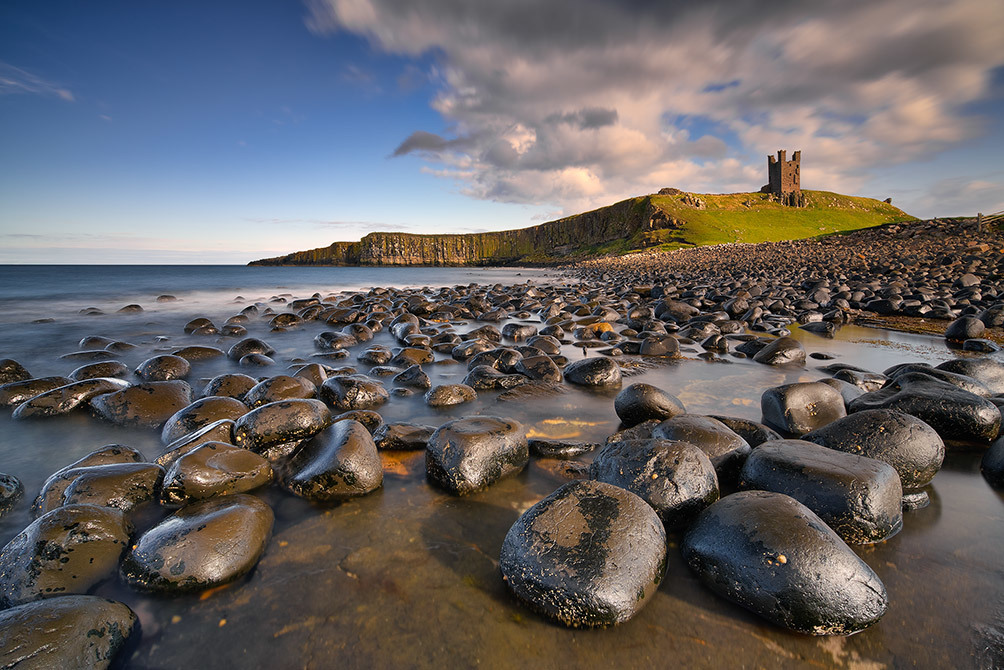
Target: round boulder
[
  {"x": 147, "y": 404},
  {"x": 213, "y": 469},
  {"x": 265, "y": 430},
  {"x": 782, "y": 351},
  {"x": 468, "y": 454},
  {"x": 200, "y": 414},
  {"x": 597, "y": 371},
  {"x": 641, "y": 402},
  {"x": 772, "y": 555},
  {"x": 796, "y": 409},
  {"x": 338, "y": 463},
  {"x": 723, "y": 446},
  {"x": 590, "y": 554}
]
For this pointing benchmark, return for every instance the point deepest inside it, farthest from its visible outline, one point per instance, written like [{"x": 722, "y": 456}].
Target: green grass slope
[{"x": 753, "y": 217}]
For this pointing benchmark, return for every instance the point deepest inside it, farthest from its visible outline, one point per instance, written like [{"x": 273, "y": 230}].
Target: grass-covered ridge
[{"x": 661, "y": 221}]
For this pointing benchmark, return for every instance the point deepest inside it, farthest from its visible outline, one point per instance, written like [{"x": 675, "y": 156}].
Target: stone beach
[{"x": 417, "y": 417}]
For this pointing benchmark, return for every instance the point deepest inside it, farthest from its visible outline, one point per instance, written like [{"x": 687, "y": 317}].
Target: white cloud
[
  {"x": 14, "y": 80},
  {"x": 575, "y": 103}
]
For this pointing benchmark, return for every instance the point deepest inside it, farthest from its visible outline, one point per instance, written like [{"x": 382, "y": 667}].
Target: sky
[{"x": 222, "y": 132}]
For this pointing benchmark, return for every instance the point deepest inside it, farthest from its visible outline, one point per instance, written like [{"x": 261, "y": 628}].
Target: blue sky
[{"x": 222, "y": 132}]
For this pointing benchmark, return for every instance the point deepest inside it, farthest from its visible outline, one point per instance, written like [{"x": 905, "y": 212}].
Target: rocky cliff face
[{"x": 548, "y": 241}]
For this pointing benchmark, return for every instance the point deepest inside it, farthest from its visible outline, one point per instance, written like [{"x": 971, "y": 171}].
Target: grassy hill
[
  {"x": 662, "y": 221},
  {"x": 753, "y": 217}
]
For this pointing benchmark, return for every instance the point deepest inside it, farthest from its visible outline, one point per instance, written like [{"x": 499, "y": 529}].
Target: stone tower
[{"x": 784, "y": 179}]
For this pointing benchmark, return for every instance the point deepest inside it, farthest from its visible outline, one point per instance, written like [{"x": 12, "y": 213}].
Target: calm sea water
[{"x": 408, "y": 576}]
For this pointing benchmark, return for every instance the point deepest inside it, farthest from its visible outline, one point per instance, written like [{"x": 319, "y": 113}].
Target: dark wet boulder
[
  {"x": 249, "y": 346},
  {"x": 124, "y": 486},
  {"x": 846, "y": 390},
  {"x": 256, "y": 361},
  {"x": 403, "y": 436},
  {"x": 964, "y": 382},
  {"x": 782, "y": 351},
  {"x": 796, "y": 409},
  {"x": 409, "y": 356},
  {"x": 331, "y": 340},
  {"x": 676, "y": 478},
  {"x": 590, "y": 554},
  {"x": 163, "y": 368},
  {"x": 198, "y": 324},
  {"x": 146, "y": 404},
  {"x": 538, "y": 368},
  {"x": 198, "y": 353},
  {"x": 964, "y": 328},
  {"x": 487, "y": 378},
  {"x": 12, "y": 371},
  {"x": 67, "y": 398},
  {"x": 338, "y": 463},
  {"x": 95, "y": 370},
  {"x": 659, "y": 345},
  {"x": 561, "y": 449},
  {"x": 15, "y": 393},
  {"x": 866, "y": 381},
  {"x": 987, "y": 371},
  {"x": 315, "y": 373},
  {"x": 370, "y": 419},
  {"x": 279, "y": 387},
  {"x": 414, "y": 377},
  {"x": 376, "y": 355},
  {"x": 468, "y": 348},
  {"x": 65, "y": 551},
  {"x": 51, "y": 495},
  {"x": 11, "y": 490},
  {"x": 202, "y": 545},
  {"x": 353, "y": 392},
  {"x": 447, "y": 395},
  {"x": 860, "y": 498},
  {"x": 992, "y": 464},
  {"x": 960, "y": 418},
  {"x": 200, "y": 414},
  {"x": 518, "y": 331},
  {"x": 66, "y": 632},
  {"x": 469, "y": 454},
  {"x": 213, "y": 469},
  {"x": 641, "y": 402},
  {"x": 231, "y": 385},
  {"x": 597, "y": 371},
  {"x": 275, "y": 428},
  {"x": 753, "y": 432},
  {"x": 903, "y": 441},
  {"x": 217, "y": 431},
  {"x": 723, "y": 446},
  {"x": 772, "y": 555}
]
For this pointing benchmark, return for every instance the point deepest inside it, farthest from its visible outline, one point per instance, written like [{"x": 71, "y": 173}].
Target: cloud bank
[{"x": 576, "y": 103}]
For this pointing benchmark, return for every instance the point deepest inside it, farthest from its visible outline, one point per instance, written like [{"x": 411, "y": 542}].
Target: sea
[{"x": 408, "y": 576}]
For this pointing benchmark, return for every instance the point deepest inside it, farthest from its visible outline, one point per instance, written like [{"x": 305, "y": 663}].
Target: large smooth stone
[
  {"x": 51, "y": 495},
  {"x": 163, "y": 368},
  {"x": 414, "y": 377},
  {"x": 964, "y": 328},
  {"x": 402, "y": 436},
  {"x": 198, "y": 353},
  {"x": 641, "y": 402},
  {"x": 67, "y": 632},
  {"x": 338, "y": 463},
  {"x": 213, "y": 469},
  {"x": 992, "y": 464},
  {"x": 589, "y": 554},
  {"x": 282, "y": 422},
  {"x": 598, "y": 371},
  {"x": 447, "y": 395},
  {"x": 202, "y": 545},
  {"x": 15, "y": 393},
  {"x": 538, "y": 368},
  {"x": 354, "y": 392},
  {"x": 231, "y": 385},
  {"x": 860, "y": 498},
  {"x": 772, "y": 555},
  {"x": 124, "y": 486},
  {"x": 723, "y": 446},
  {"x": 796, "y": 409},
  {"x": 676, "y": 478},
  {"x": 218, "y": 431},
  {"x": 67, "y": 550},
  {"x": 782, "y": 351},
  {"x": 280, "y": 387},
  {"x": 487, "y": 378},
  {"x": 959, "y": 417},
  {"x": 147, "y": 404},
  {"x": 468, "y": 454},
  {"x": 200, "y": 414},
  {"x": 12, "y": 371},
  {"x": 95, "y": 370},
  {"x": 249, "y": 346},
  {"x": 988, "y": 371},
  {"x": 66, "y": 398},
  {"x": 903, "y": 441}
]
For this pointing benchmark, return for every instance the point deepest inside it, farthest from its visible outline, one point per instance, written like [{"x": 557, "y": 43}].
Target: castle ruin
[{"x": 784, "y": 179}]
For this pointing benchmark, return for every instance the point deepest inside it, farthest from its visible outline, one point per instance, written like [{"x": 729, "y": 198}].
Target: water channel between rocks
[{"x": 408, "y": 576}]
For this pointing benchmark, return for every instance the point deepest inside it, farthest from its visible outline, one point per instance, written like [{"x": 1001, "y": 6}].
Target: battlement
[{"x": 785, "y": 177}]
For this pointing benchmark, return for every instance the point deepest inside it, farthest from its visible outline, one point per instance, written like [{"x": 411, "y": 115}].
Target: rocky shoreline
[{"x": 765, "y": 513}]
